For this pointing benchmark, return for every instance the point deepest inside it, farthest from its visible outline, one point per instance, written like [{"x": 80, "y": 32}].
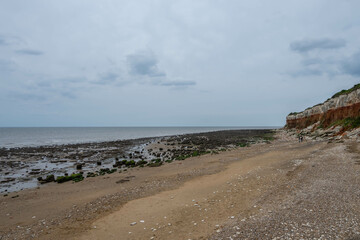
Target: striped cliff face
[{"x": 334, "y": 109}]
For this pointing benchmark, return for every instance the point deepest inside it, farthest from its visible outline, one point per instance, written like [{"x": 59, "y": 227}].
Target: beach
[{"x": 264, "y": 190}]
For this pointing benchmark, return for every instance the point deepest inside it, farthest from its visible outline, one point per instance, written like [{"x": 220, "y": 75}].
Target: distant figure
[{"x": 300, "y": 138}]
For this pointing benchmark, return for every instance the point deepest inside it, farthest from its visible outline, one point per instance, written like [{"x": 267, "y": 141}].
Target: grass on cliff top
[
  {"x": 293, "y": 113},
  {"x": 342, "y": 92}
]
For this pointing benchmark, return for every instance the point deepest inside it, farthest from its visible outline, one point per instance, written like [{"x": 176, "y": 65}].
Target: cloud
[
  {"x": 106, "y": 78},
  {"x": 7, "y": 66},
  {"x": 51, "y": 88},
  {"x": 29, "y": 52},
  {"x": 312, "y": 61},
  {"x": 28, "y": 96},
  {"x": 305, "y": 46},
  {"x": 143, "y": 67},
  {"x": 178, "y": 83},
  {"x": 351, "y": 65},
  {"x": 306, "y": 72},
  {"x": 67, "y": 94},
  {"x": 2, "y": 41},
  {"x": 144, "y": 64}
]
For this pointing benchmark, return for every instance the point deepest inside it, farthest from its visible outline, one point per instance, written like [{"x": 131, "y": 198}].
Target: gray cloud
[
  {"x": 178, "y": 83},
  {"x": 6, "y": 65},
  {"x": 306, "y": 72},
  {"x": 351, "y": 65},
  {"x": 72, "y": 79},
  {"x": 44, "y": 84},
  {"x": 304, "y": 46},
  {"x": 45, "y": 89},
  {"x": 312, "y": 61},
  {"x": 28, "y": 96},
  {"x": 144, "y": 64},
  {"x": 5, "y": 40},
  {"x": 107, "y": 78},
  {"x": 29, "y": 52},
  {"x": 2, "y": 41},
  {"x": 67, "y": 94}
]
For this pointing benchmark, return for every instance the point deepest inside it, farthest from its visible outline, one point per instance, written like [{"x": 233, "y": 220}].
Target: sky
[{"x": 173, "y": 63}]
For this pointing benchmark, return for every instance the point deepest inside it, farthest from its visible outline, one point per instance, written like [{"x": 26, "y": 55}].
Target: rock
[
  {"x": 34, "y": 172},
  {"x": 7, "y": 180},
  {"x": 133, "y": 224},
  {"x": 49, "y": 178},
  {"x": 122, "y": 181}
]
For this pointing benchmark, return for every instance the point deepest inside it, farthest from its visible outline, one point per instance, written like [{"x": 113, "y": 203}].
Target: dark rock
[
  {"x": 122, "y": 180},
  {"x": 91, "y": 174},
  {"x": 7, "y": 180},
  {"x": 49, "y": 178}
]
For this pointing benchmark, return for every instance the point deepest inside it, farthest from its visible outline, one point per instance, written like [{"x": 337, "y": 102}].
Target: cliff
[{"x": 342, "y": 108}]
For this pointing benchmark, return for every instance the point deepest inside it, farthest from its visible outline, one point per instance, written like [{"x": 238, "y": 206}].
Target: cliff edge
[
  {"x": 336, "y": 118},
  {"x": 341, "y": 109}
]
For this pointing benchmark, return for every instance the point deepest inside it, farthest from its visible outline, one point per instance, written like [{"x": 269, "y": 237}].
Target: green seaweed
[
  {"x": 76, "y": 177},
  {"x": 155, "y": 164}
]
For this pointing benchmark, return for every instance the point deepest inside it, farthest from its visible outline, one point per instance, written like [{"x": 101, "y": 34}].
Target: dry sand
[{"x": 258, "y": 192}]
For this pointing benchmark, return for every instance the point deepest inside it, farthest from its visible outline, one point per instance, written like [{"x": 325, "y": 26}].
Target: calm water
[{"x": 20, "y": 137}]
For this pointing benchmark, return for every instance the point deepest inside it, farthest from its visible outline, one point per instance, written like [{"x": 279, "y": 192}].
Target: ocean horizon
[{"x": 11, "y": 137}]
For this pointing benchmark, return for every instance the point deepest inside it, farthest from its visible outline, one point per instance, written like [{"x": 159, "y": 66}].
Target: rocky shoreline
[{"x": 28, "y": 167}]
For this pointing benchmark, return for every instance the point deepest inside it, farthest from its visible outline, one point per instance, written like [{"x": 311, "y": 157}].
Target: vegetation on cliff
[
  {"x": 348, "y": 123},
  {"x": 343, "y": 92}
]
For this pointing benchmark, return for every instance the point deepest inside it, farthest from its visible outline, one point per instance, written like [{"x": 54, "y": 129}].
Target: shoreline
[
  {"x": 22, "y": 167},
  {"x": 131, "y": 137}
]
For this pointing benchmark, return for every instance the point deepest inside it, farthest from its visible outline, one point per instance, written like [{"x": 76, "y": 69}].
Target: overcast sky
[{"x": 173, "y": 63}]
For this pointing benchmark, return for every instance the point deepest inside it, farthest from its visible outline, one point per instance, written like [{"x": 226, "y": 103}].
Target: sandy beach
[
  {"x": 179, "y": 120},
  {"x": 283, "y": 189}
]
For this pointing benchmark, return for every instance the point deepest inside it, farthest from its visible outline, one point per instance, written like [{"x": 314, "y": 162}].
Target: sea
[{"x": 11, "y": 137}]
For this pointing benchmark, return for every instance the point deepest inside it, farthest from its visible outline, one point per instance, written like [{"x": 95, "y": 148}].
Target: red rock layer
[{"x": 326, "y": 118}]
